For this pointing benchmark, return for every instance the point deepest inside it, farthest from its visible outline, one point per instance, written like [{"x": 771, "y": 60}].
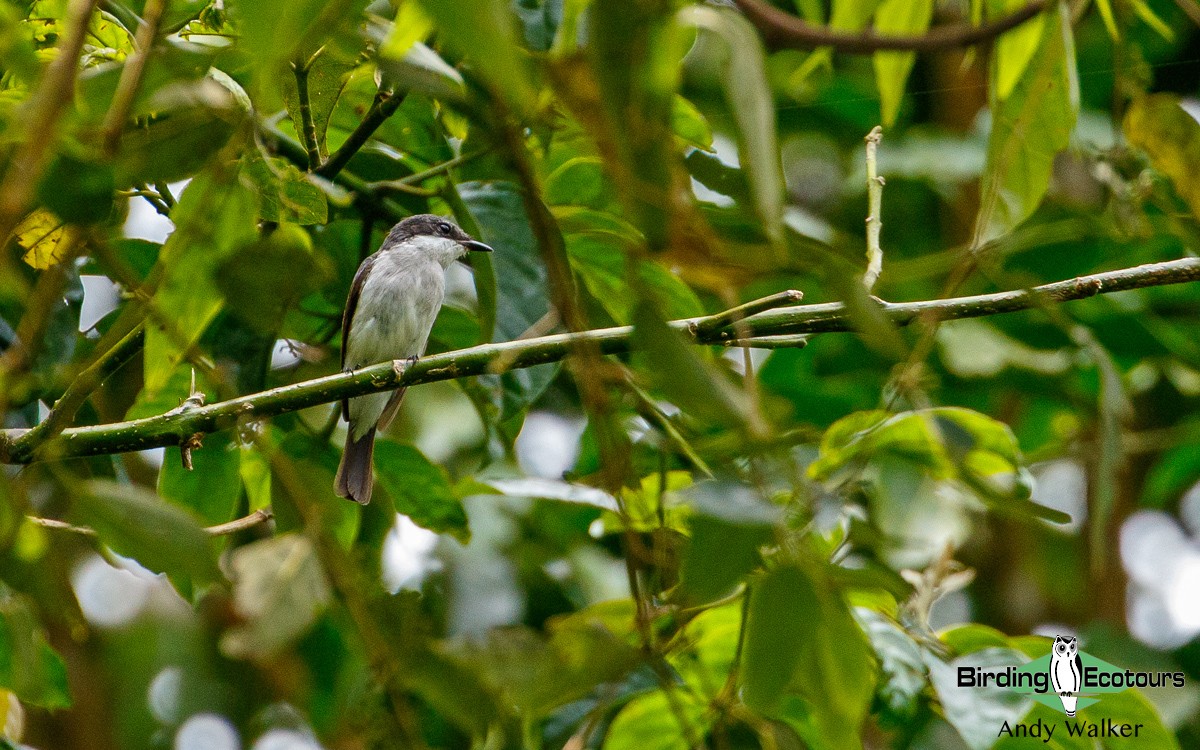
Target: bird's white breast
[{"x": 397, "y": 305}]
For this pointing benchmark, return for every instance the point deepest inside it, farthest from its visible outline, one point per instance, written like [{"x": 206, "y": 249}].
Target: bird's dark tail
[{"x": 354, "y": 472}]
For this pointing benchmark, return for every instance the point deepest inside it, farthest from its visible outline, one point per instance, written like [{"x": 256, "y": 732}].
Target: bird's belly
[{"x": 392, "y": 322}]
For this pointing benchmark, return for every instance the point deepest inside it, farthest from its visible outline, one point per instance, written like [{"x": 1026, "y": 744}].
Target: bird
[
  {"x": 1066, "y": 671},
  {"x": 394, "y": 299}
]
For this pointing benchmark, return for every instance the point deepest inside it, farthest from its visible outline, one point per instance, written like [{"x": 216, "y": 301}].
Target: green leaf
[
  {"x": 268, "y": 277},
  {"x": 1156, "y": 124},
  {"x": 139, "y": 524},
  {"x": 523, "y": 296},
  {"x": 484, "y": 32},
  {"x": 689, "y": 124},
  {"x": 78, "y": 190},
  {"x": 977, "y": 713},
  {"x": 693, "y": 384},
  {"x": 279, "y": 590},
  {"x": 29, "y": 667},
  {"x": 212, "y": 488},
  {"x": 580, "y": 182},
  {"x": 601, "y": 258},
  {"x": 326, "y": 77},
  {"x": 752, "y": 106},
  {"x": 420, "y": 490},
  {"x": 652, "y": 722},
  {"x": 635, "y": 48},
  {"x": 536, "y": 675},
  {"x": 1029, "y": 128},
  {"x": 183, "y": 135},
  {"x": 903, "y": 674},
  {"x": 286, "y": 193},
  {"x": 802, "y": 642},
  {"x": 897, "y": 18},
  {"x": 729, "y": 526},
  {"x": 213, "y": 219},
  {"x": 946, "y": 443},
  {"x": 1015, "y": 48}
]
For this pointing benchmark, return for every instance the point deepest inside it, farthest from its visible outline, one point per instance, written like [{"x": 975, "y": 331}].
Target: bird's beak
[{"x": 477, "y": 247}]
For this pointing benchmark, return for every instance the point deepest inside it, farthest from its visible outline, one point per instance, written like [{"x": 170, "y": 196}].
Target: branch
[
  {"x": 782, "y": 30},
  {"x": 874, "y": 211},
  {"x": 307, "y": 129},
  {"x": 131, "y": 77},
  {"x": 172, "y": 429},
  {"x": 221, "y": 529},
  {"x": 385, "y": 105},
  {"x": 85, "y": 383}
]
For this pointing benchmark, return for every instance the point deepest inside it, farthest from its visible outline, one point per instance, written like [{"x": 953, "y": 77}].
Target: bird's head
[{"x": 432, "y": 236}]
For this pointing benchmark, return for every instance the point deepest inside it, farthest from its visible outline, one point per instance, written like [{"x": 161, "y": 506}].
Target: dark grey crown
[{"x": 427, "y": 225}]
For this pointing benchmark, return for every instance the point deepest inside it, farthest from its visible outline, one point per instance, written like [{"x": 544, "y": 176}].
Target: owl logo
[{"x": 1066, "y": 671}]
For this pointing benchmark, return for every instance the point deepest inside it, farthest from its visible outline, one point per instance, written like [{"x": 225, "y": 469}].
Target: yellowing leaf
[
  {"x": 45, "y": 239},
  {"x": 1156, "y": 124},
  {"x": 1014, "y": 50},
  {"x": 899, "y": 17},
  {"x": 412, "y": 25},
  {"x": 1029, "y": 129}
]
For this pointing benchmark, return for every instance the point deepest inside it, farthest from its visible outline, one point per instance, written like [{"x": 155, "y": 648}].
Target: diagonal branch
[
  {"x": 781, "y": 30},
  {"x": 173, "y": 428},
  {"x": 385, "y": 105}
]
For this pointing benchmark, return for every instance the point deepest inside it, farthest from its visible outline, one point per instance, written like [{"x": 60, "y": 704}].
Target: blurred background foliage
[{"x": 772, "y": 546}]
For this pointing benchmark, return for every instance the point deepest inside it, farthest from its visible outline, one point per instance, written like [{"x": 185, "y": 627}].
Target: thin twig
[
  {"x": 781, "y": 30},
  {"x": 385, "y": 105},
  {"x": 726, "y": 318},
  {"x": 164, "y": 194},
  {"x": 172, "y": 429},
  {"x": 87, "y": 381},
  {"x": 406, "y": 183},
  {"x": 308, "y": 130},
  {"x": 221, "y": 529},
  {"x": 131, "y": 76},
  {"x": 874, "y": 210}
]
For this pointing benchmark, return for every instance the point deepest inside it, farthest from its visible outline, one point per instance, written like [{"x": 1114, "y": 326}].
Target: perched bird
[{"x": 393, "y": 302}]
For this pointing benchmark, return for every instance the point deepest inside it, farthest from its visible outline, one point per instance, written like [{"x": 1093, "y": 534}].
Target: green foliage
[{"x": 643, "y": 543}]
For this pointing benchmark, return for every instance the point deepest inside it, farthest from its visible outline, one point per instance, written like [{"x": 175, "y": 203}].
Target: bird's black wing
[{"x": 356, "y": 286}]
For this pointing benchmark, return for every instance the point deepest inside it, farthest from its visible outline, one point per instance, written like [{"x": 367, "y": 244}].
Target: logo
[{"x": 1067, "y": 680}]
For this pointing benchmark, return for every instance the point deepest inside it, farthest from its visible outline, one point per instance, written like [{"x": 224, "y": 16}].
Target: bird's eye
[{"x": 443, "y": 228}]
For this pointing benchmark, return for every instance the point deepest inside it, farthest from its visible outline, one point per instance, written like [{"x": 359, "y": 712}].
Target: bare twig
[
  {"x": 406, "y": 183},
  {"x": 221, "y": 529},
  {"x": 874, "y": 210},
  {"x": 737, "y": 314},
  {"x": 131, "y": 76},
  {"x": 308, "y": 130},
  {"x": 171, "y": 429},
  {"x": 782, "y": 30}
]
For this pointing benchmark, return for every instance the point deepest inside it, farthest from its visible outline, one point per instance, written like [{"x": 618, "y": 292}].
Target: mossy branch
[{"x": 173, "y": 428}]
